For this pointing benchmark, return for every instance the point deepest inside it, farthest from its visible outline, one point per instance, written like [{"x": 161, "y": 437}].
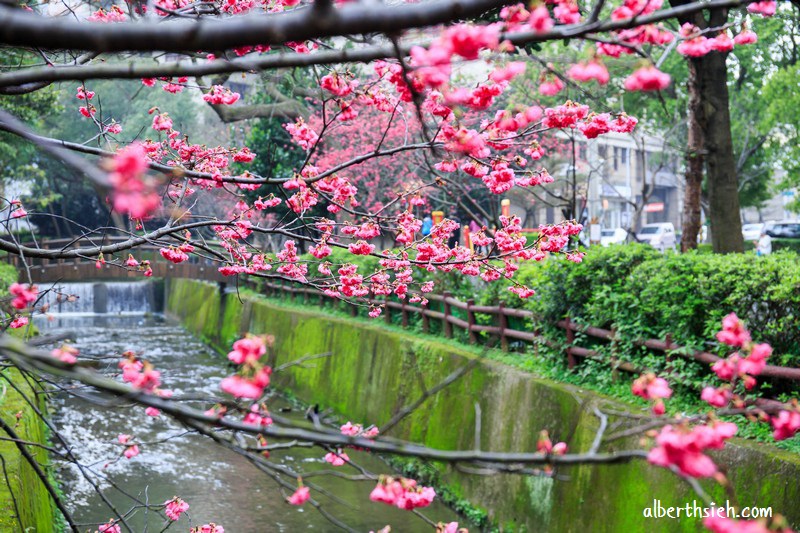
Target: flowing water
[{"x": 219, "y": 485}]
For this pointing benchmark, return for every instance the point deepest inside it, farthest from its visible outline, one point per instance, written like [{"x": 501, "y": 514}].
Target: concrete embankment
[{"x": 373, "y": 372}]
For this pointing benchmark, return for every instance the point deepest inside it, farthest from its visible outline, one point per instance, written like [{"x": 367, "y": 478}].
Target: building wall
[{"x": 616, "y": 172}]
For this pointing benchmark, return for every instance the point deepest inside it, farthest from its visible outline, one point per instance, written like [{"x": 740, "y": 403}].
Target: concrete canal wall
[{"x": 374, "y": 371}]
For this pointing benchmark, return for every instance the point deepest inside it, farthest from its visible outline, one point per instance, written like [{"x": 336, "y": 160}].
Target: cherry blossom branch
[
  {"x": 135, "y": 70},
  {"x": 39, "y": 361},
  {"x": 22, "y": 28},
  {"x": 11, "y": 124},
  {"x": 427, "y": 393}
]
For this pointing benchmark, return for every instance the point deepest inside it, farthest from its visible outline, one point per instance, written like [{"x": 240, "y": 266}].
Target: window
[
  {"x": 624, "y": 155},
  {"x": 582, "y": 151}
]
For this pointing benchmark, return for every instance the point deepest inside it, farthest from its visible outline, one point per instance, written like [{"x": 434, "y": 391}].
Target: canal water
[{"x": 219, "y": 485}]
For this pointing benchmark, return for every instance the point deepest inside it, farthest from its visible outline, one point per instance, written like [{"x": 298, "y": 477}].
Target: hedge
[{"x": 642, "y": 293}]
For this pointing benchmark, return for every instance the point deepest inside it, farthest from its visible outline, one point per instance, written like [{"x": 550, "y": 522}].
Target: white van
[
  {"x": 660, "y": 236},
  {"x": 613, "y": 236}
]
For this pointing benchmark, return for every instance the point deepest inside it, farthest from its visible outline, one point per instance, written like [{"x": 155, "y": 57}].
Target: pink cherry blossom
[
  {"x": 745, "y": 37},
  {"x": 207, "y": 528},
  {"x": 683, "y": 448},
  {"x": 551, "y": 87},
  {"x": 162, "y": 122},
  {"x": 716, "y": 523},
  {"x": 131, "y": 451},
  {"x": 540, "y": 20},
  {"x": 300, "y": 496},
  {"x": 361, "y": 248},
  {"x": 18, "y": 322},
  {"x": 247, "y": 350},
  {"x": 109, "y": 527},
  {"x": 66, "y": 354},
  {"x": 766, "y": 8},
  {"x": 722, "y": 42},
  {"x": 785, "y": 425},
  {"x": 338, "y": 84},
  {"x": 25, "y": 294},
  {"x": 241, "y": 387},
  {"x": 716, "y": 397},
  {"x": 650, "y": 387},
  {"x": 695, "y": 47},
  {"x": 174, "y": 255},
  {"x": 402, "y": 493},
  {"x": 591, "y": 71},
  {"x": 595, "y": 125},
  {"x": 302, "y": 134},
  {"x": 133, "y": 194},
  {"x": 522, "y": 292},
  {"x": 544, "y": 445},
  {"x": 220, "y": 95},
  {"x": 336, "y": 459},
  {"x": 175, "y": 508},
  {"x": 468, "y": 40},
  {"x": 733, "y": 331},
  {"x": 647, "y": 79}
]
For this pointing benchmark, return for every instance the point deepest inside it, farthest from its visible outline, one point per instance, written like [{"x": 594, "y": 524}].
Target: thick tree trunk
[
  {"x": 695, "y": 161},
  {"x": 709, "y": 116},
  {"x": 723, "y": 180}
]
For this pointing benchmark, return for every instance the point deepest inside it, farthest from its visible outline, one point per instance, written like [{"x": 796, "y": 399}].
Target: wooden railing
[{"x": 503, "y": 332}]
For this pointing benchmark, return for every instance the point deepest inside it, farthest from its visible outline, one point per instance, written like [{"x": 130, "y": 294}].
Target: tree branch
[{"x": 134, "y": 70}]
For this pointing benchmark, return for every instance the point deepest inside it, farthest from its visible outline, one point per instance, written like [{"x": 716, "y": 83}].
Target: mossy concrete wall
[
  {"x": 34, "y": 510},
  {"x": 373, "y": 372}
]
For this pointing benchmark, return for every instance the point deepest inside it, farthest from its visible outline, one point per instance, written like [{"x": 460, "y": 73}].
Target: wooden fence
[{"x": 501, "y": 329}]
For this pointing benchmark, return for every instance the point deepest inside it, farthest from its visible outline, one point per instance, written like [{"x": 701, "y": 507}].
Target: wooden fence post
[
  {"x": 570, "y": 341},
  {"x": 446, "y": 325},
  {"x": 502, "y": 323},
  {"x": 426, "y": 325},
  {"x": 403, "y": 313},
  {"x": 473, "y": 336},
  {"x": 387, "y": 317},
  {"x": 668, "y": 347},
  {"x": 614, "y": 358}
]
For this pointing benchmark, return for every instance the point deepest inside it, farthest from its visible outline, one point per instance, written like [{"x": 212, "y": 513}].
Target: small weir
[{"x": 117, "y": 297}]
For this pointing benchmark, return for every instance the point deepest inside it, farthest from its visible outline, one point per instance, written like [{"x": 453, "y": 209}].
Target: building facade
[{"x": 616, "y": 174}]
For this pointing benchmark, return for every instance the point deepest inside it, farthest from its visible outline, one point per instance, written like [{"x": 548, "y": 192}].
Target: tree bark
[
  {"x": 723, "y": 180},
  {"x": 709, "y": 115},
  {"x": 695, "y": 162}
]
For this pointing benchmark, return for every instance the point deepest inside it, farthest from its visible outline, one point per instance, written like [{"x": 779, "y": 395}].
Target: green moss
[{"x": 36, "y": 508}]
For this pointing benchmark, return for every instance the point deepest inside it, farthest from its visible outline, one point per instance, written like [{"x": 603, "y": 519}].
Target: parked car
[
  {"x": 751, "y": 232},
  {"x": 613, "y": 236},
  {"x": 785, "y": 229},
  {"x": 660, "y": 236}
]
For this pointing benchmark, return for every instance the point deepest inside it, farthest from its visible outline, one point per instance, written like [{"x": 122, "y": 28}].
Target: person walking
[{"x": 764, "y": 244}]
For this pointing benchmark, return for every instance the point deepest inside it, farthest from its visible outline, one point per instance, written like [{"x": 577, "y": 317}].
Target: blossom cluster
[
  {"x": 134, "y": 193},
  {"x": 254, "y": 376},
  {"x": 402, "y": 493},
  {"x": 682, "y": 446}
]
